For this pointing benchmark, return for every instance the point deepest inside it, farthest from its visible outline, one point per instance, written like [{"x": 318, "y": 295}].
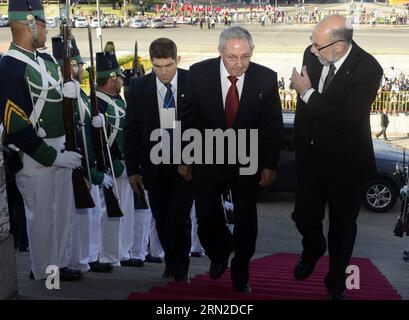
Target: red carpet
[{"x": 271, "y": 278}]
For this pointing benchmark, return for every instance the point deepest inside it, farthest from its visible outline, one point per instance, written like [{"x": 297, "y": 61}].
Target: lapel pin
[
  {"x": 182, "y": 95},
  {"x": 260, "y": 96}
]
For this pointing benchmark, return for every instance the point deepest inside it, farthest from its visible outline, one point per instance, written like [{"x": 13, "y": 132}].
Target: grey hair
[
  {"x": 235, "y": 32},
  {"x": 342, "y": 34}
]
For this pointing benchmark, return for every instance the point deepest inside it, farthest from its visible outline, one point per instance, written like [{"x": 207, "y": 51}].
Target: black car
[{"x": 381, "y": 193}]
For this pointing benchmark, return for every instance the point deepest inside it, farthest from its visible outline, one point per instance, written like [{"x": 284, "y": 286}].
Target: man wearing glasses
[
  {"x": 237, "y": 94},
  {"x": 31, "y": 92},
  {"x": 334, "y": 152}
]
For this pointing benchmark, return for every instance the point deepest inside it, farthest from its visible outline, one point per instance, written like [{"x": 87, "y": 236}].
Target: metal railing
[{"x": 395, "y": 102}]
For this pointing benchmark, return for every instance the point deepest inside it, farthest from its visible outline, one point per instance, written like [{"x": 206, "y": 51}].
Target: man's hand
[
  {"x": 300, "y": 82},
  {"x": 98, "y": 121},
  {"x": 108, "y": 182},
  {"x": 69, "y": 90},
  {"x": 185, "y": 172},
  {"x": 267, "y": 177},
  {"x": 136, "y": 182}
]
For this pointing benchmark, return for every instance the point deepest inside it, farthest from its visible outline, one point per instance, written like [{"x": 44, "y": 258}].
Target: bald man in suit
[{"x": 334, "y": 152}]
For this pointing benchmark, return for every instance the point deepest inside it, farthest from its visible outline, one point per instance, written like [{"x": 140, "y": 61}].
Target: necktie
[
  {"x": 232, "y": 102},
  {"x": 328, "y": 79},
  {"x": 169, "y": 102}
]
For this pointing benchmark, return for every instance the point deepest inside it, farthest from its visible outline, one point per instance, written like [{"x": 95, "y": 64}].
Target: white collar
[
  {"x": 35, "y": 53},
  {"x": 160, "y": 85}
]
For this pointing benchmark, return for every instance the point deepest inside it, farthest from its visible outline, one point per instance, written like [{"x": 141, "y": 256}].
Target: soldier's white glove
[
  {"x": 68, "y": 159},
  {"x": 98, "y": 121},
  {"x": 13, "y": 147},
  {"x": 108, "y": 182},
  {"x": 69, "y": 90}
]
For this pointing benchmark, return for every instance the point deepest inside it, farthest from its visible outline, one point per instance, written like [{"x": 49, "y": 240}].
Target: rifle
[
  {"x": 111, "y": 201},
  {"x": 82, "y": 196},
  {"x": 138, "y": 69},
  {"x": 140, "y": 201}
]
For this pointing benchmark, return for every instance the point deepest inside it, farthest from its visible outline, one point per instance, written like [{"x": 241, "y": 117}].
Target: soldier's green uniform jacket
[
  {"x": 26, "y": 119},
  {"x": 115, "y": 119}
]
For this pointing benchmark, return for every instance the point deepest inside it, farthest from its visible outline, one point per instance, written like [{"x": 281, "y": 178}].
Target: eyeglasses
[
  {"x": 233, "y": 59},
  {"x": 319, "y": 48}
]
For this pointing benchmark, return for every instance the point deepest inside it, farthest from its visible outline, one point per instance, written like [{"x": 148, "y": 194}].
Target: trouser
[
  {"x": 117, "y": 233},
  {"x": 49, "y": 205},
  {"x": 382, "y": 132},
  {"x": 126, "y": 226},
  {"x": 344, "y": 202},
  {"x": 95, "y": 230},
  {"x": 171, "y": 202},
  {"x": 145, "y": 234},
  {"x": 79, "y": 245},
  {"x": 155, "y": 247},
  {"x": 214, "y": 233},
  {"x": 196, "y": 245}
]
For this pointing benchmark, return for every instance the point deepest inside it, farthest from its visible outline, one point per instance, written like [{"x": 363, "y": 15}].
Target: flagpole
[{"x": 99, "y": 31}]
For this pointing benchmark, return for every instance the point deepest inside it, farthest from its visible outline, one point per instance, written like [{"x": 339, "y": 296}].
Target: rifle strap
[{"x": 119, "y": 113}]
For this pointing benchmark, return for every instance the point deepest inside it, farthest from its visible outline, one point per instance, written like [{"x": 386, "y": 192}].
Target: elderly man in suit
[
  {"x": 334, "y": 152},
  {"x": 153, "y": 103},
  {"x": 232, "y": 93}
]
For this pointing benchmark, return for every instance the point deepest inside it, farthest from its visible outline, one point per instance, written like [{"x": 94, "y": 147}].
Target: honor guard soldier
[
  {"x": 117, "y": 235},
  {"x": 31, "y": 109},
  {"x": 86, "y": 223}
]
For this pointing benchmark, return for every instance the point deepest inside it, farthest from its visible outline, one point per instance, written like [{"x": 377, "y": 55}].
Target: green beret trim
[{"x": 22, "y": 15}]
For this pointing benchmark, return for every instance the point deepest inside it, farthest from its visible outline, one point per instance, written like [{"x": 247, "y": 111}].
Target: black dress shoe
[
  {"x": 242, "y": 289},
  {"x": 218, "y": 267},
  {"x": 132, "y": 263},
  {"x": 184, "y": 279},
  {"x": 152, "y": 259},
  {"x": 68, "y": 274},
  {"x": 196, "y": 254},
  {"x": 303, "y": 269},
  {"x": 168, "y": 273},
  {"x": 97, "y": 266},
  {"x": 336, "y": 296}
]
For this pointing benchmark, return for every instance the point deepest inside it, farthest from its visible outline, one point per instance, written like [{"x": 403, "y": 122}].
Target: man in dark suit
[
  {"x": 229, "y": 94},
  {"x": 153, "y": 102},
  {"x": 334, "y": 152},
  {"x": 384, "y": 124}
]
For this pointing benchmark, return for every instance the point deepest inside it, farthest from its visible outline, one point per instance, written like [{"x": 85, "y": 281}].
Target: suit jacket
[
  {"x": 142, "y": 117},
  {"x": 334, "y": 127},
  {"x": 259, "y": 108}
]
